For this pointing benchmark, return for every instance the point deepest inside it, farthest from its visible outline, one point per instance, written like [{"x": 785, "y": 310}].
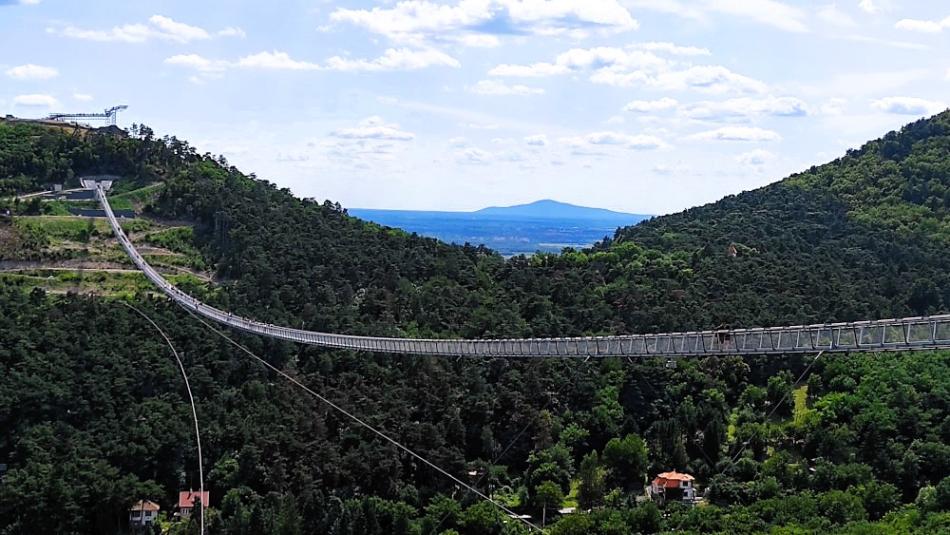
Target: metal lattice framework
[
  {"x": 904, "y": 334},
  {"x": 108, "y": 115}
]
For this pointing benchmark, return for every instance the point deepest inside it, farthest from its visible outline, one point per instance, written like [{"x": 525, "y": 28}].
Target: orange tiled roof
[
  {"x": 189, "y": 498},
  {"x": 675, "y": 476},
  {"x": 671, "y": 480}
]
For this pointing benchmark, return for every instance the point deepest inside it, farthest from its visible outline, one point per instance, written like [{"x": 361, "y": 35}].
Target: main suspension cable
[
  {"x": 363, "y": 423},
  {"x": 194, "y": 412}
]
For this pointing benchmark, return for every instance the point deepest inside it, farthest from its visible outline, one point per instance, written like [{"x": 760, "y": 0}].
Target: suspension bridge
[{"x": 901, "y": 334}]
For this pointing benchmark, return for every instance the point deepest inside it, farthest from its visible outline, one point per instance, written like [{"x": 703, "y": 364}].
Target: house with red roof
[
  {"x": 188, "y": 500},
  {"x": 673, "y": 486}
]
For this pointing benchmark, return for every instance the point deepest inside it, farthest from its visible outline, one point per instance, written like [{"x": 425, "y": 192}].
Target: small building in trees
[
  {"x": 143, "y": 513},
  {"x": 673, "y": 486},
  {"x": 188, "y": 500}
]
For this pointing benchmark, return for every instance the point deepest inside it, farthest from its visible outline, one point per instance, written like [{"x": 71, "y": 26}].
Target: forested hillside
[{"x": 93, "y": 415}]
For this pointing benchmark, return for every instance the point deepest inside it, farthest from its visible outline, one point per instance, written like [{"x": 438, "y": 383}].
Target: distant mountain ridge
[
  {"x": 544, "y": 225},
  {"x": 542, "y": 209},
  {"x": 551, "y": 209}
]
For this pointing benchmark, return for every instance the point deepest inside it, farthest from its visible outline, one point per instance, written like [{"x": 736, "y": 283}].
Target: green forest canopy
[{"x": 92, "y": 411}]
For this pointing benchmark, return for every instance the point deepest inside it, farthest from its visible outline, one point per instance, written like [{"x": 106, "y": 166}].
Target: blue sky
[{"x": 646, "y": 106}]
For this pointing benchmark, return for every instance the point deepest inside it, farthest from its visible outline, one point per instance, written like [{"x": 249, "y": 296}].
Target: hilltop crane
[{"x": 108, "y": 115}]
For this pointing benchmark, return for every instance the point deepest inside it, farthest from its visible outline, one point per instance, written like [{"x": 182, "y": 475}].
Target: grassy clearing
[
  {"x": 135, "y": 199},
  {"x": 57, "y": 238},
  {"x": 72, "y": 228},
  {"x": 113, "y": 283},
  {"x": 56, "y": 208},
  {"x": 50, "y": 229},
  {"x": 179, "y": 240}
]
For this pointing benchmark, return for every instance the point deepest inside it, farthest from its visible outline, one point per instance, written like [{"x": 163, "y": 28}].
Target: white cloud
[
  {"x": 82, "y": 97},
  {"x": 158, "y": 27},
  {"x": 869, "y": 6},
  {"x": 617, "y": 139},
  {"x": 361, "y": 149},
  {"x": 755, "y": 158},
  {"x": 391, "y": 60},
  {"x": 415, "y": 21},
  {"x": 908, "y": 106},
  {"x": 476, "y": 40},
  {"x": 610, "y": 57},
  {"x": 232, "y": 31},
  {"x": 874, "y": 7},
  {"x": 129, "y": 33},
  {"x": 608, "y": 13},
  {"x": 36, "y": 101},
  {"x": 402, "y": 59},
  {"x": 711, "y": 79},
  {"x": 768, "y": 12},
  {"x": 630, "y": 67},
  {"x": 650, "y": 106},
  {"x": 209, "y": 69},
  {"x": 32, "y": 72},
  {"x": 495, "y": 87},
  {"x": 737, "y": 133},
  {"x": 747, "y": 107},
  {"x": 30, "y": 2},
  {"x": 374, "y": 128},
  {"x": 538, "y": 140},
  {"x": 832, "y": 14},
  {"x": 923, "y": 26},
  {"x": 671, "y": 48},
  {"x": 528, "y": 71},
  {"x": 274, "y": 61},
  {"x": 509, "y": 156},
  {"x": 196, "y": 62},
  {"x": 886, "y": 42},
  {"x": 473, "y": 155},
  {"x": 414, "y": 17},
  {"x": 688, "y": 9},
  {"x": 177, "y": 31}
]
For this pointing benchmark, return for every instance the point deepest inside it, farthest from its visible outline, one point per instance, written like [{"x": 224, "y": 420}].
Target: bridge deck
[{"x": 903, "y": 334}]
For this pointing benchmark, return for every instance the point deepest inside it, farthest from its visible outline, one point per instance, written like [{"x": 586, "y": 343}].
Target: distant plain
[{"x": 511, "y": 231}]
